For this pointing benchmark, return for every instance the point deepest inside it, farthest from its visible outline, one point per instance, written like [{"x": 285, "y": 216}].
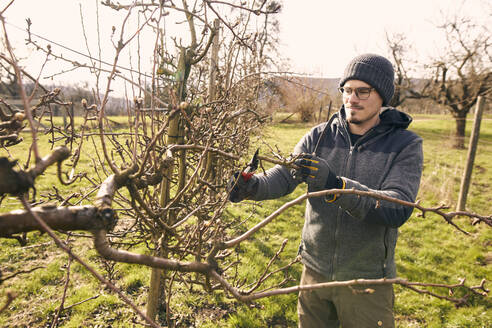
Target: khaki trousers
[{"x": 332, "y": 307}]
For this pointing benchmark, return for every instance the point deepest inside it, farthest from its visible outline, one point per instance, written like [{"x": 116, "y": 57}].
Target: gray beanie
[{"x": 375, "y": 70}]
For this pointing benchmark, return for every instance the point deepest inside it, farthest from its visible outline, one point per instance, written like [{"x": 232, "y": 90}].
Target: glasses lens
[
  {"x": 345, "y": 91},
  {"x": 363, "y": 93}
]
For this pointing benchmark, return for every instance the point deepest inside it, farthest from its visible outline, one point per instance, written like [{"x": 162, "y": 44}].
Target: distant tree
[
  {"x": 399, "y": 48},
  {"x": 301, "y": 96},
  {"x": 463, "y": 72},
  {"x": 8, "y": 81},
  {"x": 456, "y": 77}
]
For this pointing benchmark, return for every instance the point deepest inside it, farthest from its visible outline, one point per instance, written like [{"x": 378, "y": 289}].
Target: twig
[
  {"x": 65, "y": 288},
  {"x": 265, "y": 274},
  {"x": 2, "y": 279},
  {"x": 6, "y": 7},
  {"x": 83, "y": 301},
  {"x": 27, "y": 109},
  {"x": 273, "y": 10},
  {"x": 229, "y": 26}
]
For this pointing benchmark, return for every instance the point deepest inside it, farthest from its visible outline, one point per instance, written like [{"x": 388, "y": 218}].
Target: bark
[
  {"x": 460, "y": 120},
  {"x": 57, "y": 218},
  {"x": 156, "y": 298},
  {"x": 157, "y": 295}
]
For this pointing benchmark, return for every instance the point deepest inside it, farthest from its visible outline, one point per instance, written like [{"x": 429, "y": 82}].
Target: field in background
[{"x": 429, "y": 250}]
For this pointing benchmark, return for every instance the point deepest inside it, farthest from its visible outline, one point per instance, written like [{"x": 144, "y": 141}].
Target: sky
[
  {"x": 318, "y": 36},
  {"x": 321, "y": 37}
]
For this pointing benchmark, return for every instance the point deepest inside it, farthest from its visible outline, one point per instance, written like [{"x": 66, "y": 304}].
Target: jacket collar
[{"x": 389, "y": 117}]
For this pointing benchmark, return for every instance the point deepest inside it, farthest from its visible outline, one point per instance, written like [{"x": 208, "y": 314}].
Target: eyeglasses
[{"x": 362, "y": 93}]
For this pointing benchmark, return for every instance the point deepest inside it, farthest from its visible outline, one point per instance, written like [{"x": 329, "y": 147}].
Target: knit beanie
[{"x": 375, "y": 70}]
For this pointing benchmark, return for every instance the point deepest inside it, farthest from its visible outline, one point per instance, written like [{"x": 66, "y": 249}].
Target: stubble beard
[{"x": 352, "y": 119}]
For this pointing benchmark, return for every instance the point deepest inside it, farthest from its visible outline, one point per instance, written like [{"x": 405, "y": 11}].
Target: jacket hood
[{"x": 392, "y": 116}]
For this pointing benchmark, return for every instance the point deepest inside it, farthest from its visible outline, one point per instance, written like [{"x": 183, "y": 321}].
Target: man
[{"x": 365, "y": 146}]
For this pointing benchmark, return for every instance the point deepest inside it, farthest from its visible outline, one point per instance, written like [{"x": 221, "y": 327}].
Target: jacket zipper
[
  {"x": 386, "y": 246},
  {"x": 340, "y": 213}
]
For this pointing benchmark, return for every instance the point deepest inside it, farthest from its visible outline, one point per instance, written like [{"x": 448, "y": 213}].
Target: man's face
[{"x": 362, "y": 115}]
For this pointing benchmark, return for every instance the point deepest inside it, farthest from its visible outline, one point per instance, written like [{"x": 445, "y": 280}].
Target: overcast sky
[
  {"x": 322, "y": 36},
  {"x": 319, "y": 36}
]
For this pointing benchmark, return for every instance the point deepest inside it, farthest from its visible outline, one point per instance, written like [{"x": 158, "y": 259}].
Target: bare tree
[
  {"x": 181, "y": 148},
  {"x": 405, "y": 88},
  {"x": 8, "y": 81},
  {"x": 457, "y": 76},
  {"x": 302, "y": 96},
  {"x": 463, "y": 73}
]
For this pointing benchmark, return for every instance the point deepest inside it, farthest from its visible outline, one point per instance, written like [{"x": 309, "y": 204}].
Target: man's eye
[
  {"x": 347, "y": 90},
  {"x": 363, "y": 91}
]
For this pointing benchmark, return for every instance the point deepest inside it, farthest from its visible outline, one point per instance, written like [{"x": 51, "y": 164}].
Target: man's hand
[
  {"x": 242, "y": 186},
  {"x": 316, "y": 172}
]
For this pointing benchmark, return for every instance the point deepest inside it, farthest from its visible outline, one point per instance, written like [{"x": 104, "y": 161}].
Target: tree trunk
[
  {"x": 175, "y": 135},
  {"x": 459, "y": 140},
  {"x": 156, "y": 300},
  {"x": 211, "y": 162}
]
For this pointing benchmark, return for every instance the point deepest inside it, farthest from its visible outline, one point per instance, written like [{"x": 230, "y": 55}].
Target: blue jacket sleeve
[
  {"x": 275, "y": 183},
  {"x": 402, "y": 182},
  {"x": 278, "y": 181}
]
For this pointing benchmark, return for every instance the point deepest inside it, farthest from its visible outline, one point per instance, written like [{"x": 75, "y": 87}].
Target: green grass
[{"x": 429, "y": 250}]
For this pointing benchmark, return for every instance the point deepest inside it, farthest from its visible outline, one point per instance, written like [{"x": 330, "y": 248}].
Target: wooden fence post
[{"x": 472, "y": 150}]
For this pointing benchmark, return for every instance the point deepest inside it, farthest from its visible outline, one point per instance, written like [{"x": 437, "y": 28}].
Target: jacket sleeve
[
  {"x": 278, "y": 181},
  {"x": 274, "y": 183},
  {"x": 402, "y": 182}
]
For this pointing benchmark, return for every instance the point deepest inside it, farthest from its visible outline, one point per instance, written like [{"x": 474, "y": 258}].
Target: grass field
[{"x": 428, "y": 250}]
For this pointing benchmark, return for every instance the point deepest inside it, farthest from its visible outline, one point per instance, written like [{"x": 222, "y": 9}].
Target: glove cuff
[
  {"x": 340, "y": 184},
  {"x": 333, "y": 181}
]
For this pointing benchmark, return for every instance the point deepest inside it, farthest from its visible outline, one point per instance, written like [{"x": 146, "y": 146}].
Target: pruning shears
[{"x": 248, "y": 172}]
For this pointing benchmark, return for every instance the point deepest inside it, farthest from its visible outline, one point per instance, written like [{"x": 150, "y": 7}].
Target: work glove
[
  {"x": 242, "y": 186},
  {"x": 316, "y": 172}
]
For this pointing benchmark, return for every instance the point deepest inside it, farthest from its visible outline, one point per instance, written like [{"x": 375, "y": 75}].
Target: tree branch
[{"x": 479, "y": 290}]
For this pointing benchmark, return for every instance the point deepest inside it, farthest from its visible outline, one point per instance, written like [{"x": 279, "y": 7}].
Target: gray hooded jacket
[{"x": 355, "y": 237}]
